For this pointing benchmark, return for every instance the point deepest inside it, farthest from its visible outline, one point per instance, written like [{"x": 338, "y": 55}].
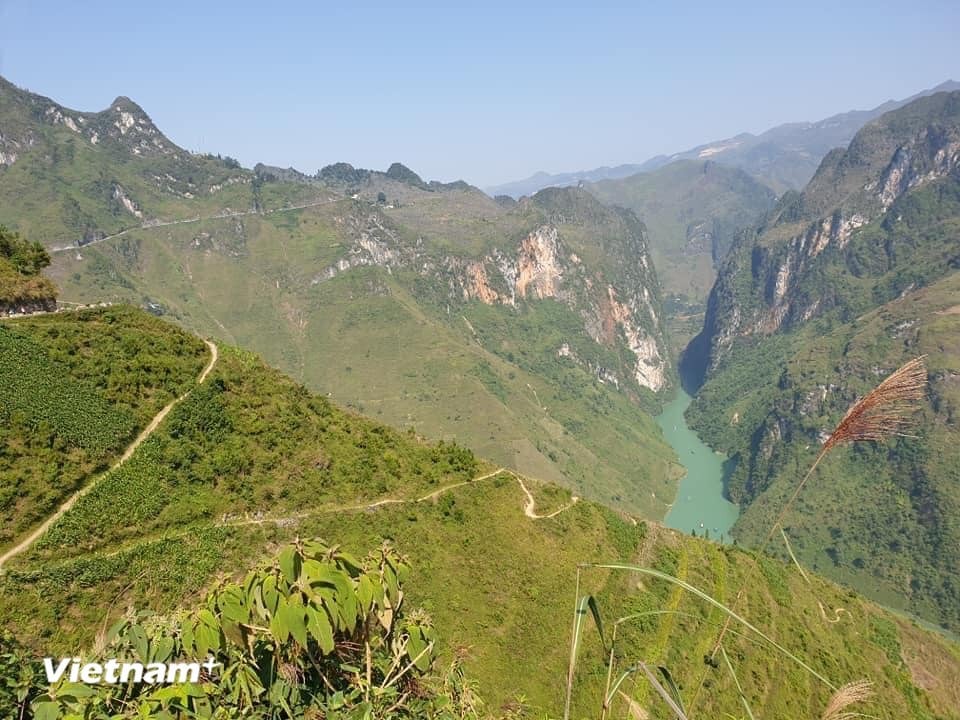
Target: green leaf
[
  {"x": 138, "y": 637},
  {"x": 233, "y": 632},
  {"x": 350, "y": 561},
  {"x": 162, "y": 649},
  {"x": 290, "y": 564},
  {"x": 349, "y": 611},
  {"x": 269, "y": 593},
  {"x": 232, "y": 605},
  {"x": 187, "y": 636},
  {"x": 591, "y": 601},
  {"x": 365, "y": 593},
  {"x": 391, "y": 585},
  {"x": 207, "y": 632},
  {"x": 75, "y": 690},
  {"x": 46, "y": 710},
  {"x": 294, "y": 612},
  {"x": 278, "y": 623},
  {"x": 319, "y": 627},
  {"x": 416, "y": 646}
]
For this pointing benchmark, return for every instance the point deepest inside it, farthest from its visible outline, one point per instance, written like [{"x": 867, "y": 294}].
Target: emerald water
[{"x": 700, "y": 504}]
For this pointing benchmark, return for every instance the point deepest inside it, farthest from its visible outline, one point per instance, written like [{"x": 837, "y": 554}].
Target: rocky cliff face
[
  {"x": 795, "y": 268},
  {"x": 618, "y": 304}
]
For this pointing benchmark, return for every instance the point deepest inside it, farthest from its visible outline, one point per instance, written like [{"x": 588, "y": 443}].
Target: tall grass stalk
[{"x": 736, "y": 681}]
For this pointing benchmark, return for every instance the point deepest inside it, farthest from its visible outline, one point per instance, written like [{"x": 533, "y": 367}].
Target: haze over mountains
[{"x": 784, "y": 157}]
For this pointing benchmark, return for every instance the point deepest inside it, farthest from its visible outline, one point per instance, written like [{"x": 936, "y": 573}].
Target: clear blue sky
[{"x": 487, "y": 94}]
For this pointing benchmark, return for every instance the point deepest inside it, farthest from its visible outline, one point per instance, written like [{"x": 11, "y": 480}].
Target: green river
[{"x": 700, "y": 504}]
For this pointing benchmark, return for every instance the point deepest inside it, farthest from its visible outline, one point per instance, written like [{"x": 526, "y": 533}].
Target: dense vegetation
[
  {"x": 75, "y": 390},
  {"x": 20, "y": 265},
  {"x": 250, "y": 460},
  {"x": 314, "y": 632}
]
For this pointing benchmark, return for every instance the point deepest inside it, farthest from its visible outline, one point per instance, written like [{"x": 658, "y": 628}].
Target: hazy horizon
[{"x": 488, "y": 96}]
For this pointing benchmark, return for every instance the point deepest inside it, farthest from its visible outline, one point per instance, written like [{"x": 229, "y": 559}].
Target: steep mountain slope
[
  {"x": 849, "y": 279},
  {"x": 531, "y": 332},
  {"x": 692, "y": 210},
  {"x": 527, "y": 343},
  {"x": 784, "y": 157},
  {"x": 67, "y": 410},
  {"x": 250, "y": 459}
]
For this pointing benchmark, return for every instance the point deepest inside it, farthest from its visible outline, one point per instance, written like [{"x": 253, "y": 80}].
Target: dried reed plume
[
  {"x": 854, "y": 692},
  {"x": 885, "y": 411}
]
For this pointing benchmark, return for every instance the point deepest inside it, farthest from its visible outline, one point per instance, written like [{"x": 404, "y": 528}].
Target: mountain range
[
  {"x": 784, "y": 157},
  {"x": 532, "y": 332}
]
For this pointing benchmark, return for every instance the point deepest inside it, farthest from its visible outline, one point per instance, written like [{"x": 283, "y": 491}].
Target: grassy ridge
[{"x": 498, "y": 583}]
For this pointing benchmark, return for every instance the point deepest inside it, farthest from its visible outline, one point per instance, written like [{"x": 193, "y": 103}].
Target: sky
[{"x": 486, "y": 92}]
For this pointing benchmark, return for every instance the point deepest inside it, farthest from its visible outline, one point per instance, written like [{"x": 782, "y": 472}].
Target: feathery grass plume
[
  {"x": 887, "y": 410},
  {"x": 847, "y": 695}
]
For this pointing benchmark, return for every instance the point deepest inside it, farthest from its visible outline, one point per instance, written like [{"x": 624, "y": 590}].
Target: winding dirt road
[
  {"x": 225, "y": 214},
  {"x": 147, "y": 431}
]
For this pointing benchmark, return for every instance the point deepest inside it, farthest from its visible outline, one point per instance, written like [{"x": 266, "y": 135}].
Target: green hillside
[
  {"x": 250, "y": 459},
  {"x": 692, "y": 209},
  {"x": 893, "y": 543},
  {"x": 67, "y": 175},
  {"x": 397, "y": 296}
]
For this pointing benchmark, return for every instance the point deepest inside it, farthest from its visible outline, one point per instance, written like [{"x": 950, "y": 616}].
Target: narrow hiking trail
[
  {"x": 285, "y": 520},
  {"x": 529, "y": 508},
  {"x": 147, "y": 431}
]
